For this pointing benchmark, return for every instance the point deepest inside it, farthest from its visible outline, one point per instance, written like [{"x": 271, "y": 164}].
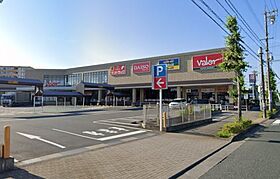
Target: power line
[
  {"x": 209, "y": 8},
  {"x": 254, "y": 14},
  {"x": 213, "y": 12},
  {"x": 272, "y": 5},
  {"x": 210, "y": 17},
  {"x": 256, "y": 42},
  {"x": 266, "y": 5},
  {"x": 275, "y": 4},
  {"x": 252, "y": 53},
  {"x": 243, "y": 21}
]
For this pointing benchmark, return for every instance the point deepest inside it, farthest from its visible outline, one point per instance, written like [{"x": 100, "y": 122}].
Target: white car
[{"x": 178, "y": 103}]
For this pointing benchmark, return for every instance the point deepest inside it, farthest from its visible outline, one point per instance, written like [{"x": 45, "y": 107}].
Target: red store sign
[
  {"x": 209, "y": 61},
  {"x": 118, "y": 70},
  {"x": 142, "y": 67}
]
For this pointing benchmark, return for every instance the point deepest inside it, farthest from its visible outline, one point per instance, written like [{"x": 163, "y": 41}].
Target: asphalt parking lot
[{"x": 36, "y": 135}]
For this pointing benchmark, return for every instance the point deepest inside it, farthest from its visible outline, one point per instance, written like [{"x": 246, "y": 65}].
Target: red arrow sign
[{"x": 159, "y": 83}]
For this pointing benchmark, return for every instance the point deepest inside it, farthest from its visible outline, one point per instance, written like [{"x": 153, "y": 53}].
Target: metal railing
[
  {"x": 176, "y": 116},
  {"x": 186, "y": 114}
]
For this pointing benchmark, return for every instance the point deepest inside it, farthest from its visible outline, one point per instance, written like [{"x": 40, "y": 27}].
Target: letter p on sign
[{"x": 159, "y": 77}]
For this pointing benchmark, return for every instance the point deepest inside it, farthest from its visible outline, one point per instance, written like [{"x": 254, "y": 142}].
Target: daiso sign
[
  {"x": 142, "y": 67},
  {"x": 208, "y": 61}
]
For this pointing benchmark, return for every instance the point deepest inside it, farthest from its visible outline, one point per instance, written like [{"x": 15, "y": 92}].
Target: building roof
[
  {"x": 20, "y": 81},
  {"x": 61, "y": 94}
]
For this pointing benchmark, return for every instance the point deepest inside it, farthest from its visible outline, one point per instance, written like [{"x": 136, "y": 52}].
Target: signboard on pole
[
  {"x": 159, "y": 77},
  {"x": 252, "y": 78}
]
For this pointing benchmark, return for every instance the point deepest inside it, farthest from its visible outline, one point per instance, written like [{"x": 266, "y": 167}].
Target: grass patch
[
  {"x": 234, "y": 128},
  {"x": 269, "y": 113}
]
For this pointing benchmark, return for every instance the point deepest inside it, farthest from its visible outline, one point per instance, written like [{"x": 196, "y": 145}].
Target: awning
[
  {"x": 117, "y": 94},
  {"x": 61, "y": 94},
  {"x": 20, "y": 81},
  {"x": 98, "y": 85}
]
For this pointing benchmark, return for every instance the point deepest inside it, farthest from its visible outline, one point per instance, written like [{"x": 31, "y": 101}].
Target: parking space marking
[
  {"x": 122, "y": 123},
  {"x": 121, "y": 135},
  {"x": 118, "y": 128},
  {"x": 108, "y": 131},
  {"x": 71, "y": 133},
  {"x": 276, "y": 122},
  {"x": 103, "y": 138},
  {"x": 29, "y": 136},
  {"x": 128, "y": 127},
  {"x": 92, "y": 133}
]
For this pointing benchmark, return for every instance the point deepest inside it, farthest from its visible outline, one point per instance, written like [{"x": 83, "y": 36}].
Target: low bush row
[{"x": 234, "y": 128}]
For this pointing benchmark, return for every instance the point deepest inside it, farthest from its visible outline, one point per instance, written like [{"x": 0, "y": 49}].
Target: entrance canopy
[
  {"x": 97, "y": 85},
  {"x": 117, "y": 94},
  {"x": 61, "y": 94},
  {"x": 20, "y": 81}
]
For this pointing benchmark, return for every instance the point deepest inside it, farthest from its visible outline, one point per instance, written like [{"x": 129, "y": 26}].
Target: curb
[
  {"x": 182, "y": 172},
  {"x": 238, "y": 137}
]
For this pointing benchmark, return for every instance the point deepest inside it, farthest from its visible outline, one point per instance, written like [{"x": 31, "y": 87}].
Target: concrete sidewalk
[
  {"x": 219, "y": 121},
  {"x": 159, "y": 156}
]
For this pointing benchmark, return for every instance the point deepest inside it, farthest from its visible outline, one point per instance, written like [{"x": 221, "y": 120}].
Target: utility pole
[
  {"x": 262, "y": 84},
  {"x": 271, "y": 15}
]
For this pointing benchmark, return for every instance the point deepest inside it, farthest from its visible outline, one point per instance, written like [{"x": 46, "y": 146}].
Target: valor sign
[{"x": 209, "y": 61}]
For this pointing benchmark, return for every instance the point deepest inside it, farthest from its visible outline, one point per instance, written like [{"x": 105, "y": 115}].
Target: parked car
[{"x": 178, "y": 103}]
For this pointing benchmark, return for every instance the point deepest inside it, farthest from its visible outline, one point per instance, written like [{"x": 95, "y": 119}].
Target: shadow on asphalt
[
  {"x": 63, "y": 114},
  {"x": 19, "y": 173},
  {"x": 133, "y": 109},
  {"x": 82, "y": 111},
  {"x": 252, "y": 133}
]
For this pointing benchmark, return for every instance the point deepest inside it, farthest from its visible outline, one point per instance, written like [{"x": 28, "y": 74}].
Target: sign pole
[
  {"x": 160, "y": 110},
  {"x": 159, "y": 82}
]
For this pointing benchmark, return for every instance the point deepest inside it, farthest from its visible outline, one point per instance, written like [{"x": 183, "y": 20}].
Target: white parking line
[
  {"x": 103, "y": 138},
  {"x": 276, "y": 122},
  {"x": 71, "y": 133},
  {"x": 118, "y": 128},
  {"x": 109, "y": 124},
  {"x": 29, "y": 136},
  {"x": 121, "y": 135},
  {"x": 122, "y": 123}
]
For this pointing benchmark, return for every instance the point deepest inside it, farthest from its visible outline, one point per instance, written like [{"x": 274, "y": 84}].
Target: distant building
[
  {"x": 191, "y": 75},
  {"x": 13, "y": 71}
]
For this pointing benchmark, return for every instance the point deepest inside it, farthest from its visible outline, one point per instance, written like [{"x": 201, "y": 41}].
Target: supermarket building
[{"x": 191, "y": 75}]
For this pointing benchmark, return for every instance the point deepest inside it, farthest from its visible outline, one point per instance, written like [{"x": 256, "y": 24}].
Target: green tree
[
  {"x": 273, "y": 85},
  {"x": 234, "y": 58}
]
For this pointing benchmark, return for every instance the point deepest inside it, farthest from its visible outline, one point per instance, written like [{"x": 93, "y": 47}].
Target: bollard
[
  {"x": 2, "y": 151},
  {"x": 7, "y": 144},
  {"x": 164, "y": 119}
]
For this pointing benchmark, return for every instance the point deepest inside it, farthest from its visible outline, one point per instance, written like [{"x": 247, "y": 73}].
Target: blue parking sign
[{"x": 159, "y": 70}]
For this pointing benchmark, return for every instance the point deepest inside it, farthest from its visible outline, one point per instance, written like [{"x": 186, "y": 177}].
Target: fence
[{"x": 176, "y": 116}]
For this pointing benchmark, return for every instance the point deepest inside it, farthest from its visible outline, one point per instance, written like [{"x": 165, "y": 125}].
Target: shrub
[
  {"x": 269, "y": 113},
  {"x": 224, "y": 134},
  {"x": 234, "y": 128}
]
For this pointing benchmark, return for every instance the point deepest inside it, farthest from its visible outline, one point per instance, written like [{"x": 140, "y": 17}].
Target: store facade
[{"x": 192, "y": 75}]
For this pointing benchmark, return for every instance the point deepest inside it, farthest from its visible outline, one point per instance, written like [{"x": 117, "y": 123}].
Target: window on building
[{"x": 96, "y": 77}]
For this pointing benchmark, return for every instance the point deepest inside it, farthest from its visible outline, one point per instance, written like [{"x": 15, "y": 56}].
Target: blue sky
[{"x": 70, "y": 33}]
